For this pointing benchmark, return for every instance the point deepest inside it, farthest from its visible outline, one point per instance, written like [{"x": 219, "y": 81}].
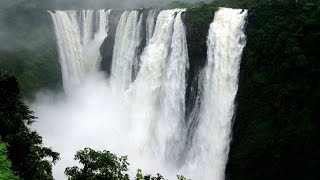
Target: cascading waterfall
[
  {"x": 150, "y": 124},
  {"x": 172, "y": 101},
  {"x": 157, "y": 95},
  {"x": 86, "y": 27},
  {"x": 77, "y": 44},
  {"x": 69, "y": 46},
  {"x": 150, "y": 24},
  {"x": 92, "y": 47},
  {"x": 125, "y": 61},
  {"x": 226, "y": 41}
]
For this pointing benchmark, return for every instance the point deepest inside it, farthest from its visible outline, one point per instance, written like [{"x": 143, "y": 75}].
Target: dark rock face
[
  {"x": 107, "y": 46},
  {"x": 197, "y": 21}
]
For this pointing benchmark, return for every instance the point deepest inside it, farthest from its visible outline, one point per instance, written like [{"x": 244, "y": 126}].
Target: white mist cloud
[{"x": 91, "y": 116}]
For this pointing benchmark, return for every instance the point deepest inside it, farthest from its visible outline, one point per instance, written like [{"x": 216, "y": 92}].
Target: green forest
[{"x": 276, "y": 127}]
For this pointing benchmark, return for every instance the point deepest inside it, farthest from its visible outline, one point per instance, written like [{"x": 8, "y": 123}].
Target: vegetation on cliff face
[
  {"x": 28, "y": 49},
  {"x": 277, "y": 126},
  {"x": 197, "y": 21}
]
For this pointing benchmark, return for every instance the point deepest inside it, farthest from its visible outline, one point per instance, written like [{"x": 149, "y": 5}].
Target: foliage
[
  {"x": 101, "y": 165},
  {"x": 98, "y": 165},
  {"x": 5, "y": 164},
  {"x": 140, "y": 176},
  {"x": 276, "y": 126},
  {"x": 197, "y": 21},
  {"x": 30, "y": 160},
  {"x": 276, "y": 129},
  {"x": 180, "y": 177}
]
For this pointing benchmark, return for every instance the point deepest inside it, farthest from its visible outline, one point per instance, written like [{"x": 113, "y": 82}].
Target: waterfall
[
  {"x": 225, "y": 43},
  {"x": 172, "y": 101},
  {"x": 77, "y": 43},
  {"x": 92, "y": 55},
  {"x": 159, "y": 90},
  {"x": 70, "y": 51},
  {"x": 150, "y": 24},
  {"x": 86, "y": 27},
  {"x": 140, "y": 111},
  {"x": 125, "y": 60}
]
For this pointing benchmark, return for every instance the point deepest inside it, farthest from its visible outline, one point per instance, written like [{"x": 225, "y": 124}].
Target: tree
[
  {"x": 140, "y": 176},
  {"x": 279, "y": 94},
  {"x": 30, "y": 160},
  {"x": 98, "y": 165},
  {"x": 5, "y": 164},
  {"x": 102, "y": 165}
]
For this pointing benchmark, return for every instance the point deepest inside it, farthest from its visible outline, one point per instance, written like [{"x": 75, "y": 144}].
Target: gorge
[
  {"x": 208, "y": 90},
  {"x": 140, "y": 108}
]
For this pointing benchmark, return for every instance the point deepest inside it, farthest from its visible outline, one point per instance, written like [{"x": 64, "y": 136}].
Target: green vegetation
[
  {"x": 30, "y": 51},
  {"x": 5, "y": 164},
  {"x": 26, "y": 156},
  {"x": 100, "y": 165},
  {"x": 197, "y": 21},
  {"x": 277, "y": 126},
  {"x": 30, "y": 160}
]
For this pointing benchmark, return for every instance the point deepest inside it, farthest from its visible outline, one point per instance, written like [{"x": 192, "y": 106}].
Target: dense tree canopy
[
  {"x": 5, "y": 164},
  {"x": 98, "y": 165},
  {"x": 102, "y": 165},
  {"x": 30, "y": 160},
  {"x": 276, "y": 132},
  {"x": 276, "y": 127}
]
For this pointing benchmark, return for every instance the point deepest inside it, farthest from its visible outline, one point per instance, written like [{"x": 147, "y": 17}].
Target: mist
[
  {"x": 94, "y": 116},
  {"x": 89, "y": 117}
]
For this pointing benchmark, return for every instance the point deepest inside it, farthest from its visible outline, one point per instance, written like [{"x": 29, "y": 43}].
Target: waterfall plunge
[
  {"x": 150, "y": 24},
  {"x": 225, "y": 43},
  {"x": 125, "y": 61},
  {"x": 157, "y": 96},
  {"x": 77, "y": 44},
  {"x": 141, "y": 112}
]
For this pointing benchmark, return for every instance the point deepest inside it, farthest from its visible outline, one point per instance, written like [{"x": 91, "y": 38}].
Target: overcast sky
[
  {"x": 132, "y": 3},
  {"x": 94, "y": 3}
]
